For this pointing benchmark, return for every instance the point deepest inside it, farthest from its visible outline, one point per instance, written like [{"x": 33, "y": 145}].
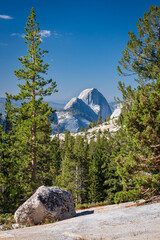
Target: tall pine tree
[
  {"x": 142, "y": 54},
  {"x": 140, "y": 166},
  {"x": 31, "y": 122}
]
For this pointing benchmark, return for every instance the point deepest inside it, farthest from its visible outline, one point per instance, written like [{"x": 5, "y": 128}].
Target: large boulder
[{"x": 50, "y": 203}]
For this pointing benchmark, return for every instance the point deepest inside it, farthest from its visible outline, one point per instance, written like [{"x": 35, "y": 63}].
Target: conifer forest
[{"x": 118, "y": 166}]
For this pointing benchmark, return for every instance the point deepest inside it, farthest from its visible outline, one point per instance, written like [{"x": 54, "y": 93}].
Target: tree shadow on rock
[{"x": 84, "y": 213}]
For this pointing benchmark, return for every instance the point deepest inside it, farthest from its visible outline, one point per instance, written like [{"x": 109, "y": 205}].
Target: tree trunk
[{"x": 34, "y": 140}]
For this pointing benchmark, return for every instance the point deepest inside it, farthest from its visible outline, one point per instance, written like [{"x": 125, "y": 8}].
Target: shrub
[
  {"x": 127, "y": 196},
  {"x": 6, "y": 220}
]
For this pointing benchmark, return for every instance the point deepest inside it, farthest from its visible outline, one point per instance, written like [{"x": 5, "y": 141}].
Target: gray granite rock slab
[{"x": 123, "y": 222}]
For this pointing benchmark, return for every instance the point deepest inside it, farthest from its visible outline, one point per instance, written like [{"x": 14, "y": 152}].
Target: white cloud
[
  {"x": 57, "y": 35},
  {"x": 45, "y": 33},
  {"x": 18, "y": 34},
  {"x": 5, "y": 17}
]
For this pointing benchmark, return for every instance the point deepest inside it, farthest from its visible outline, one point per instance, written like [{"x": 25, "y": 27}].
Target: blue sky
[{"x": 85, "y": 40}]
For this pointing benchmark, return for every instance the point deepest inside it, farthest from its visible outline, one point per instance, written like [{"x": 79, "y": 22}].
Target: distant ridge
[{"x": 56, "y": 106}]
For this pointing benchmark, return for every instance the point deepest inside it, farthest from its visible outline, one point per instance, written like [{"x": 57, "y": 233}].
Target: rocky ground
[{"x": 120, "y": 221}]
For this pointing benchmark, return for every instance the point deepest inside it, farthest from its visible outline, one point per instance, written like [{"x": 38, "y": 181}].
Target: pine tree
[
  {"x": 142, "y": 123},
  {"x": 74, "y": 167},
  {"x": 31, "y": 123},
  {"x": 112, "y": 180},
  {"x": 99, "y": 119},
  {"x": 1, "y": 152},
  {"x": 67, "y": 178},
  {"x": 96, "y": 173},
  {"x": 8, "y": 171},
  {"x": 1, "y": 131},
  {"x": 56, "y": 160},
  {"x": 142, "y": 55},
  {"x": 82, "y": 163},
  {"x": 140, "y": 166}
]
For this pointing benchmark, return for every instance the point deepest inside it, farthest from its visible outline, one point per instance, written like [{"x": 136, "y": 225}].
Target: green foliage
[
  {"x": 138, "y": 165},
  {"x": 99, "y": 119},
  {"x": 117, "y": 167},
  {"x": 142, "y": 54},
  {"x": 6, "y": 221},
  {"x": 127, "y": 196},
  {"x": 142, "y": 123},
  {"x": 89, "y": 170},
  {"x": 104, "y": 180},
  {"x": 74, "y": 168},
  {"x": 108, "y": 118},
  {"x": 81, "y": 130},
  {"x": 96, "y": 174},
  {"x": 91, "y": 205},
  {"x": 27, "y": 160},
  {"x": 96, "y": 123}
]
